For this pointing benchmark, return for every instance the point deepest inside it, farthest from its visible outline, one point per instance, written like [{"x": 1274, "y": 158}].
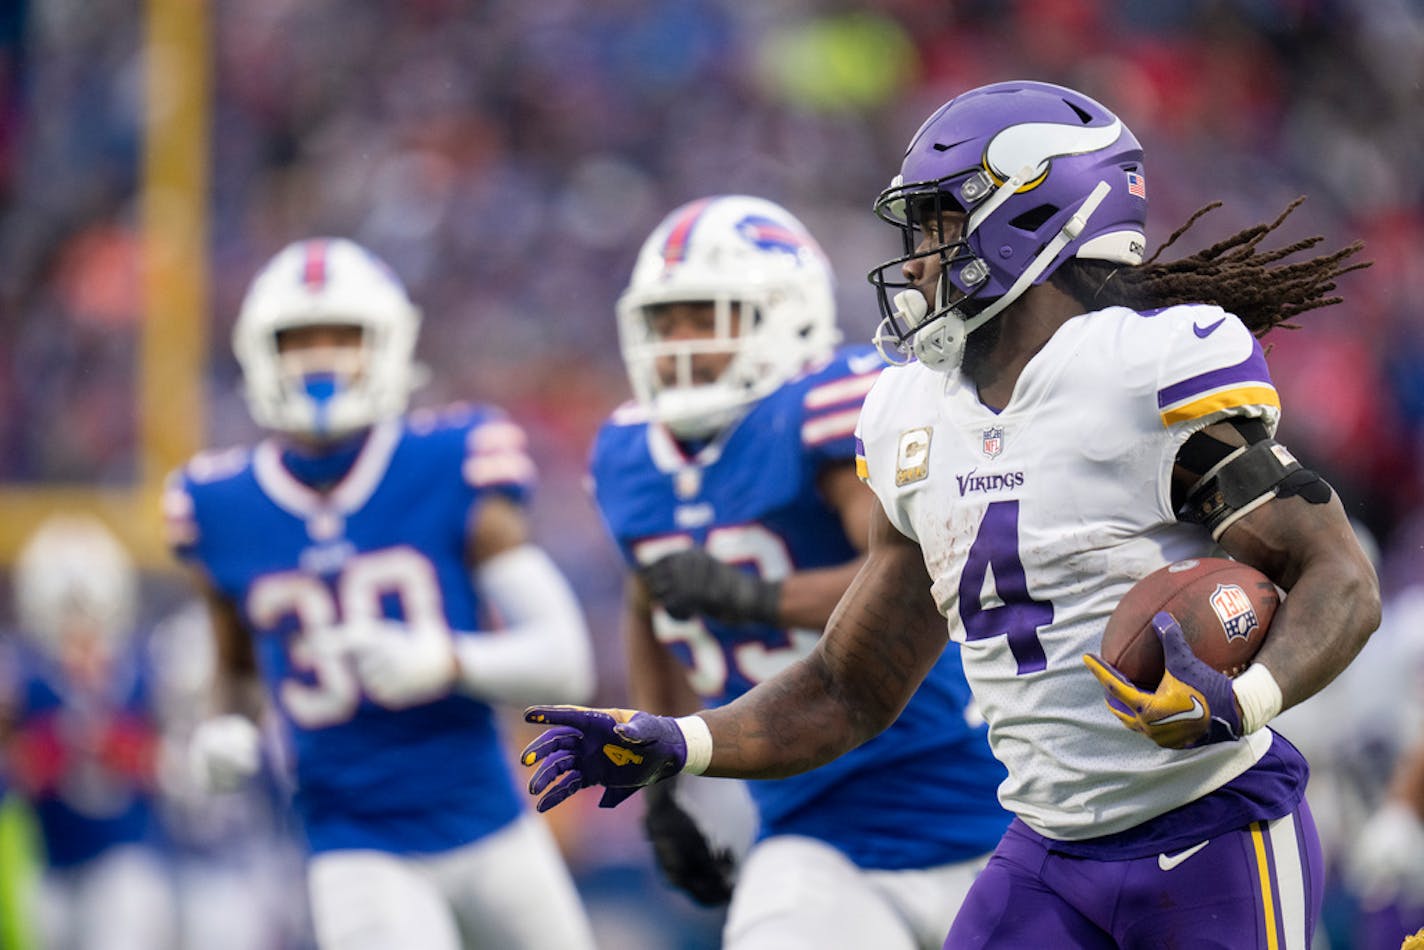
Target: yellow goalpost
[{"x": 172, "y": 352}]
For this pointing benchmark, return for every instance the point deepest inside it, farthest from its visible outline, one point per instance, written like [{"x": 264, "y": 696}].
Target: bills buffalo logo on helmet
[{"x": 769, "y": 235}]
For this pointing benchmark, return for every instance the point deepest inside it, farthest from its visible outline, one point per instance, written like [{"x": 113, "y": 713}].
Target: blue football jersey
[
  {"x": 920, "y": 794},
  {"x": 84, "y": 755},
  {"x": 387, "y": 541}
]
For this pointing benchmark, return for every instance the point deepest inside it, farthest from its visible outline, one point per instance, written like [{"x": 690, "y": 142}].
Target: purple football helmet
[{"x": 1042, "y": 172}]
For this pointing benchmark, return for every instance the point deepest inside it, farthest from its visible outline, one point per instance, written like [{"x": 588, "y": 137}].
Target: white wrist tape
[
  {"x": 699, "y": 743},
  {"x": 1259, "y": 695}
]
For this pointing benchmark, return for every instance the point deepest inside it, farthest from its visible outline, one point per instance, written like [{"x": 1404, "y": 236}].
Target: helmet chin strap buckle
[
  {"x": 891, "y": 348},
  {"x": 941, "y": 346},
  {"x": 910, "y": 309}
]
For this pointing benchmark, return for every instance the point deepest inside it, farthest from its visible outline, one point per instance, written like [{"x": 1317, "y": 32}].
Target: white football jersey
[{"x": 1036, "y": 520}]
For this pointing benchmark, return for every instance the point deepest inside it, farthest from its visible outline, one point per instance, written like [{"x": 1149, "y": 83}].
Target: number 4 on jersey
[{"x": 1018, "y": 616}]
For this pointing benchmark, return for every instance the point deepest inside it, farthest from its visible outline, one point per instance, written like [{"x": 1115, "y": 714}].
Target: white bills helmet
[
  {"x": 72, "y": 574},
  {"x": 331, "y": 282},
  {"x": 726, "y": 250}
]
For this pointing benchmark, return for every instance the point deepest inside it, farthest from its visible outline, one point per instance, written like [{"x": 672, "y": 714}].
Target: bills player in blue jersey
[
  {"x": 372, "y": 569},
  {"x": 729, "y": 484},
  {"x": 1069, "y": 418},
  {"x": 80, "y": 728}
]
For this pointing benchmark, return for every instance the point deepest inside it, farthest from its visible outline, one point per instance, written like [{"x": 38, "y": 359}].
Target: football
[{"x": 1224, "y": 608}]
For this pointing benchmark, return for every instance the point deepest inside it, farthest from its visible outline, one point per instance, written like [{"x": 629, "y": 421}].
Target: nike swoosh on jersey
[
  {"x": 1168, "y": 861},
  {"x": 1186, "y": 715},
  {"x": 1208, "y": 330},
  {"x": 859, "y": 365}
]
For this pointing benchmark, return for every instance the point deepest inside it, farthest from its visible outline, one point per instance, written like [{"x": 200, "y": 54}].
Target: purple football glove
[
  {"x": 1194, "y": 705},
  {"x": 620, "y": 749}
]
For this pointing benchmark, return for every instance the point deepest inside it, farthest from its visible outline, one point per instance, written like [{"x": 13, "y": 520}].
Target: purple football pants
[{"x": 1258, "y": 886}]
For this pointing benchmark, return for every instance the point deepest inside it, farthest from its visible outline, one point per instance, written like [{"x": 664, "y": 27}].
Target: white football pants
[
  {"x": 796, "y": 892},
  {"x": 507, "y": 891},
  {"x": 121, "y": 900}
]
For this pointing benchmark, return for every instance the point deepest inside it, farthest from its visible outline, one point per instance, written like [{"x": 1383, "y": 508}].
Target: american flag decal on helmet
[{"x": 1137, "y": 185}]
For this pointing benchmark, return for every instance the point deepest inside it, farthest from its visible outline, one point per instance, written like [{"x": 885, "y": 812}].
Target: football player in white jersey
[
  {"x": 1070, "y": 417},
  {"x": 371, "y": 570}
]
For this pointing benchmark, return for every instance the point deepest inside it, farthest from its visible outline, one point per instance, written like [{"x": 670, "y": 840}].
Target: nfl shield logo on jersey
[
  {"x": 993, "y": 442},
  {"x": 687, "y": 482},
  {"x": 1233, "y": 608}
]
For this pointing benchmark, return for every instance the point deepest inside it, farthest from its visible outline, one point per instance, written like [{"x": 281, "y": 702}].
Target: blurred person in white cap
[{"x": 81, "y": 739}]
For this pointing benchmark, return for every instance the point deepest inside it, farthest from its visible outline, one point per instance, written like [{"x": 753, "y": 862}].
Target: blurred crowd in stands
[{"x": 506, "y": 157}]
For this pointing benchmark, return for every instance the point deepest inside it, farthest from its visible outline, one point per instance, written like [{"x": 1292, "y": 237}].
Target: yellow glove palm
[{"x": 1193, "y": 705}]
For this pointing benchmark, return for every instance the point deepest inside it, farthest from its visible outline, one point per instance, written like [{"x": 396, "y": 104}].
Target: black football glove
[
  {"x": 694, "y": 583},
  {"x": 685, "y": 857}
]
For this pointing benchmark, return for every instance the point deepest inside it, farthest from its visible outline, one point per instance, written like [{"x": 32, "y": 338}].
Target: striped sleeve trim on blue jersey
[
  {"x": 180, "y": 523},
  {"x": 829, "y": 427},
  {"x": 833, "y": 408},
  {"x": 840, "y": 391},
  {"x": 181, "y": 530},
  {"x": 495, "y": 455},
  {"x": 1248, "y": 383}
]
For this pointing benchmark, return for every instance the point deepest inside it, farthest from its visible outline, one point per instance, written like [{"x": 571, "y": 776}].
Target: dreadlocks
[{"x": 1233, "y": 274}]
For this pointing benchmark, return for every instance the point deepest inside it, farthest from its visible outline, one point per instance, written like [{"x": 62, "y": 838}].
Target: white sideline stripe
[{"x": 1290, "y": 881}]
